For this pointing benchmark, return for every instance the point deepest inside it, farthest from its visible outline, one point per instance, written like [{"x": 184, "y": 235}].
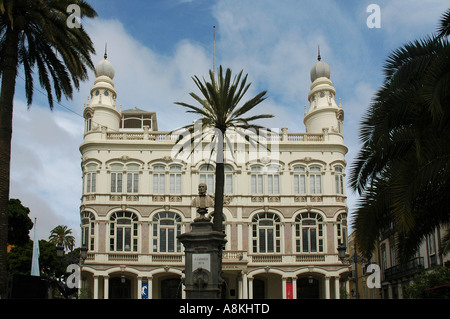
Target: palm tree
[
  {"x": 402, "y": 171},
  {"x": 220, "y": 113},
  {"x": 34, "y": 35},
  {"x": 61, "y": 235}
]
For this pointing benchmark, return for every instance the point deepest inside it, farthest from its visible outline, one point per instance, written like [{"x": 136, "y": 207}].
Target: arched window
[
  {"x": 207, "y": 177},
  {"x": 123, "y": 231},
  {"x": 315, "y": 178},
  {"x": 175, "y": 179},
  {"x": 342, "y": 229},
  {"x": 309, "y": 236},
  {"x": 339, "y": 180},
  {"x": 299, "y": 180},
  {"x": 88, "y": 127},
  {"x": 166, "y": 228},
  {"x": 87, "y": 230},
  {"x": 266, "y": 233},
  {"x": 159, "y": 179}
]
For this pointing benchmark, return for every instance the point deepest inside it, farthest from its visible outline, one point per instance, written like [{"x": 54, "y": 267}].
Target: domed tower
[
  {"x": 324, "y": 115},
  {"x": 101, "y": 112}
]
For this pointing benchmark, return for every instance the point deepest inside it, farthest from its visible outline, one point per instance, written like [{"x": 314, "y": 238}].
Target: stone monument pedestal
[{"x": 203, "y": 260}]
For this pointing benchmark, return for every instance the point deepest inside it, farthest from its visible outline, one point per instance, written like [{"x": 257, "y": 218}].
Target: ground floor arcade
[{"x": 261, "y": 283}]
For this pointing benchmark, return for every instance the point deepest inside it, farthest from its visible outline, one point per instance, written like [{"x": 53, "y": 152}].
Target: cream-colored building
[{"x": 285, "y": 209}]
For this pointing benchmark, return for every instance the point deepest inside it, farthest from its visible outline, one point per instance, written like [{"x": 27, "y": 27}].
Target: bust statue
[{"x": 202, "y": 202}]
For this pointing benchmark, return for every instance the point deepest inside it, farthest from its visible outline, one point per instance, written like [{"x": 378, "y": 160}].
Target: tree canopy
[{"x": 402, "y": 171}]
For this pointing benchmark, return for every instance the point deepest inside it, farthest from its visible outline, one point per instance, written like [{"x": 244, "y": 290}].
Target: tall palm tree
[
  {"x": 61, "y": 235},
  {"x": 220, "y": 113},
  {"x": 402, "y": 171},
  {"x": 34, "y": 35}
]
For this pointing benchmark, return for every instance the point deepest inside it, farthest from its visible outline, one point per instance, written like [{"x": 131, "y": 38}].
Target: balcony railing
[
  {"x": 229, "y": 256},
  {"x": 166, "y": 136},
  {"x": 407, "y": 269}
]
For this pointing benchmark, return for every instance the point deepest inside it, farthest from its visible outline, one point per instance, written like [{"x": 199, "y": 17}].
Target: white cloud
[
  {"x": 45, "y": 165},
  {"x": 404, "y": 21}
]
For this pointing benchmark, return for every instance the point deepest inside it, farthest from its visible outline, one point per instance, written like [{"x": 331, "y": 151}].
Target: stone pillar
[
  {"x": 244, "y": 285},
  {"x": 294, "y": 288},
  {"x": 139, "y": 287},
  {"x": 283, "y": 288},
  {"x": 336, "y": 288},
  {"x": 95, "y": 286},
  {"x": 150, "y": 287},
  {"x": 106, "y": 287},
  {"x": 327, "y": 287},
  {"x": 250, "y": 288}
]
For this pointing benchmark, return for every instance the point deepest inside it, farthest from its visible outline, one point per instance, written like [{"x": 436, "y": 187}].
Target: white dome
[
  {"x": 320, "y": 69},
  {"x": 104, "y": 67}
]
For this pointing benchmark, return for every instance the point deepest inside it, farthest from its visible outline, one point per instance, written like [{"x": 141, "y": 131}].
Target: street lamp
[
  {"x": 355, "y": 259},
  {"x": 341, "y": 252},
  {"x": 59, "y": 250},
  {"x": 83, "y": 253}
]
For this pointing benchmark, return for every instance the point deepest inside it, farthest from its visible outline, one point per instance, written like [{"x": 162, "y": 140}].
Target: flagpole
[{"x": 35, "y": 260}]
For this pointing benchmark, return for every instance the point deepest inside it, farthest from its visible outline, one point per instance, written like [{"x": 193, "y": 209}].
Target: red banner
[{"x": 289, "y": 293}]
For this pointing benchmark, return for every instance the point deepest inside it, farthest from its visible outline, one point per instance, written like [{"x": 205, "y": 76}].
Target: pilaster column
[
  {"x": 95, "y": 286},
  {"x": 244, "y": 285},
  {"x": 250, "y": 288},
  {"x": 150, "y": 287},
  {"x": 336, "y": 288},
  {"x": 139, "y": 287},
  {"x": 294, "y": 288},
  {"x": 327, "y": 287},
  {"x": 347, "y": 287},
  {"x": 105, "y": 287}
]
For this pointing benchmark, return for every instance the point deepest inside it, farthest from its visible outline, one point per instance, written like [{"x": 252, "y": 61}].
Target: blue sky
[{"x": 156, "y": 46}]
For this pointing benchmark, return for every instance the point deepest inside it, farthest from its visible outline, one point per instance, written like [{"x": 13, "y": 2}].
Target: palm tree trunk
[
  {"x": 220, "y": 178},
  {"x": 9, "y": 72}
]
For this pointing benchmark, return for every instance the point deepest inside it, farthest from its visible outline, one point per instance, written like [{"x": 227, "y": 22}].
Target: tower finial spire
[
  {"x": 106, "y": 50},
  {"x": 318, "y": 53}
]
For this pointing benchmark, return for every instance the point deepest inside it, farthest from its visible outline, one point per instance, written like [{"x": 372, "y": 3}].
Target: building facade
[
  {"x": 394, "y": 275},
  {"x": 285, "y": 210}
]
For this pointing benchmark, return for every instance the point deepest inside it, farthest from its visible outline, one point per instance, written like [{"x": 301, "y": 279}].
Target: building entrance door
[
  {"x": 171, "y": 288},
  {"x": 259, "y": 289},
  {"x": 307, "y": 288},
  {"x": 119, "y": 288}
]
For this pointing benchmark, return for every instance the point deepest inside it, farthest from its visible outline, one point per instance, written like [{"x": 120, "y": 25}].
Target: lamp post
[
  {"x": 59, "y": 250},
  {"x": 83, "y": 254},
  {"x": 355, "y": 259},
  {"x": 70, "y": 259}
]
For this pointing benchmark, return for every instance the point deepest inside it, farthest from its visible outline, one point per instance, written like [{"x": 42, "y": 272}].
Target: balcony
[
  {"x": 403, "y": 270},
  {"x": 230, "y": 257}
]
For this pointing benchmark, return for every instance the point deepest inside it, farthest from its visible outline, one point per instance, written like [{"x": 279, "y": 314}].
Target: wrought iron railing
[{"x": 407, "y": 269}]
